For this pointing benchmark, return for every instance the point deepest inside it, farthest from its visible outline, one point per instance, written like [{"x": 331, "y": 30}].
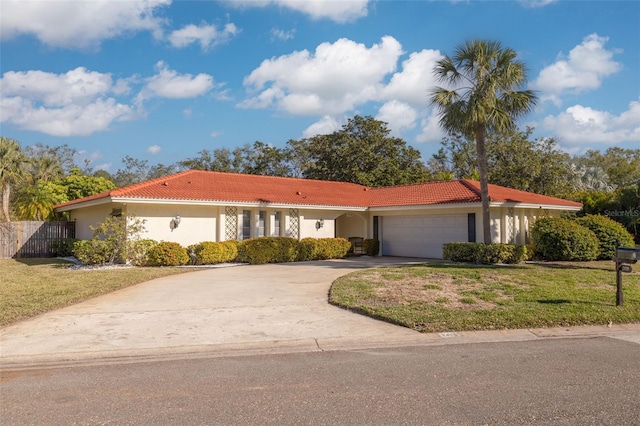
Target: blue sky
[{"x": 161, "y": 80}]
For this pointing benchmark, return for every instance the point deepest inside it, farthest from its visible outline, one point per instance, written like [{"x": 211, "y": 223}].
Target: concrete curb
[{"x": 626, "y": 332}]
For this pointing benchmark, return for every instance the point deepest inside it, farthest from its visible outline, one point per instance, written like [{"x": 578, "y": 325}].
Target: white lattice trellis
[
  {"x": 231, "y": 223},
  {"x": 294, "y": 223}
]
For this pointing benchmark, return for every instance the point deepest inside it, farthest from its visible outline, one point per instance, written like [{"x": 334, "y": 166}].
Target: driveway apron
[{"x": 244, "y": 307}]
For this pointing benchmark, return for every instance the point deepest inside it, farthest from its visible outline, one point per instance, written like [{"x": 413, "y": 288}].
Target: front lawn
[
  {"x": 456, "y": 297},
  {"x": 30, "y": 287}
]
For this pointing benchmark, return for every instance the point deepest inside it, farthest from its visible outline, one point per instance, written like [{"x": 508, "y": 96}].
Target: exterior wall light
[
  {"x": 319, "y": 223},
  {"x": 175, "y": 222}
]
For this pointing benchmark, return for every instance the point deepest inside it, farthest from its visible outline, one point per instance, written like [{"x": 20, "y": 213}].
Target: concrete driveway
[
  {"x": 235, "y": 310},
  {"x": 260, "y": 307}
]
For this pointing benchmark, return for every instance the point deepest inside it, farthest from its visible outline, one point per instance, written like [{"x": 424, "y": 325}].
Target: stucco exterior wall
[
  {"x": 91, "y": 216},
  {"x": 309, "y": 218},
  {"x": 197, "y": 223}
]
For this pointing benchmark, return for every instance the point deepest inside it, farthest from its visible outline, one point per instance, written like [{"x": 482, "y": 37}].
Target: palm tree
[
  {"x": 36, "y": 203},
  {"x": 12, "y": 160},
  {"x": 481, "y": 98},
  {"x": 45, "y": 168}
]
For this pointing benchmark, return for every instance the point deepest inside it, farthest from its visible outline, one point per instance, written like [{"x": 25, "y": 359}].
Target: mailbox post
[{"x": 625, "y": 256}]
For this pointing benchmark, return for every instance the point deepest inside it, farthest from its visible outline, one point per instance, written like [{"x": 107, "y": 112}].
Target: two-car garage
[{"x": 423, "y": 235}]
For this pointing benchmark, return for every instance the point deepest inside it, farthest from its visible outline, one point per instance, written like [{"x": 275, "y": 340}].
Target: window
[
  {"x": 262, "y": 216},
  {"x": 246, "y": 224},
  {"x": 277, "y": 218}
]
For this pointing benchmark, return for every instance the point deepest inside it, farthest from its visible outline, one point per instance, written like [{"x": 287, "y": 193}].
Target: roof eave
[
  {"x": 275, "y": 205},
  {"x": 95, "y": 202}
]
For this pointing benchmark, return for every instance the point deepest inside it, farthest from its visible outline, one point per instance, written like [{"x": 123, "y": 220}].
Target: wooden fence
[{"x": 32, "y": 239}]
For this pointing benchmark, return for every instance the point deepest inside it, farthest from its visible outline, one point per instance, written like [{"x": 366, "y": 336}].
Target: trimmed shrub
[
  {"x": 63, "y": 248},
  {"x": 308, "y": 249},
  {"x": 138, "y": 251},
  {"x": 167, "y": 253},
  {"x": 93, "y": 252},
  {"x": 371, "y": 246},
  {"x": 211, "y": 253},
  {"x": 262, "y": 250},
  {"x": 282, "y": 249},
  {"x": 487, "y": 254},
  {"x": 609, "y": 232},
  {"x": 323, "y": 248},
  {"x": 333, "y": 248},
  {"x": 230, "y": 248},
  {"x": 556, "y": 238}
]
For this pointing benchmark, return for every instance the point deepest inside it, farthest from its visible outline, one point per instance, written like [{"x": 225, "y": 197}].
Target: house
[{"x": 409, "y": 220}]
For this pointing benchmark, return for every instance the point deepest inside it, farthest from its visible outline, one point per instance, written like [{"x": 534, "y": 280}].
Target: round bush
[
  {"x": 168, "y": 254},
  {"x": 138, "y": 251},
  {"x": 609, "y": 232},
  {"x": 93, "y": 252},
  {"x": 563, "y": 239}
]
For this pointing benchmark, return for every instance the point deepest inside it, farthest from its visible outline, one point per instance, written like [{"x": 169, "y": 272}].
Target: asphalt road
[{"x": 587, "y": 381}]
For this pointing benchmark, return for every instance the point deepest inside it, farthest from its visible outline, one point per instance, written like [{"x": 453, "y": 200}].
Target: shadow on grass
[
  {"x": 554, "y": 301},
  {"x": 602, "y": 265},
  {"x": 39, "y": 261},
  {"x": 461, "y": 265}
]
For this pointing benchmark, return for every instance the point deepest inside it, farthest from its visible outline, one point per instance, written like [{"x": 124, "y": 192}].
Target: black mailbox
[{"x": 626, "y": 255}]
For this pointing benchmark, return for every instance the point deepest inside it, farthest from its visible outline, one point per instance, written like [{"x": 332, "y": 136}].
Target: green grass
[
  {"x": 29, "y": 287},
  {"x": 456, "y": 297}
]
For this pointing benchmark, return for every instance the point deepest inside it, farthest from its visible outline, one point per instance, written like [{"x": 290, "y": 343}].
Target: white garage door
[{"x": 421, "y": 235}]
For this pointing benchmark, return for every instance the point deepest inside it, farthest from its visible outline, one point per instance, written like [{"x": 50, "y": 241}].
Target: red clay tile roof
[
  {"x": 446, "y": 192},
  {"x": 457, "y": 191},
  {"x": 196, "y": 185},
  {"x": 502, "y": 194}
]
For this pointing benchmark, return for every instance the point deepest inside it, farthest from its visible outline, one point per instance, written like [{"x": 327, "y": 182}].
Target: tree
[
  {"x": 513, "y": 160},
  {"x": 298, "y": 156},
  {"x": 136, "y": 171},
  {"x": 50, "y": 163},
  {"x": 362, "y": 152},
  {"x": 12, "y": 161},
  {"x": 621, "y": 166},
  {"x": 79, "y": 185},
  {"x": 481, "y": 98},
  {"x": 36, "y": 202},
  {"x": 257, "y": 159},
  {"x": 266, "y": 160}
]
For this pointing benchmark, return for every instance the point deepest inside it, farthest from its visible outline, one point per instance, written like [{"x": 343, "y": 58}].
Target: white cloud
[
  {"x": 207, "y": 35},
  {"x": 324, "y": 126},
  {"x": 398, "y": 115},
  {"x": 334, "y": 79},
  {"x": 79, "y": 24},
  {"x": 154, "y": 149},
  {"x": 579, "y": 125},
  {"x": 413, "y": 83},
  {"x": 337, "y": 11},
  {"x": 278, "y": 34},
  {"x": 78, "y": 102},
  {"x": 584, "y": 69},
  {"x": 187, "y": 112},
  {"x": 430, "y": 129},
  {"x": 169, "y": 84},
  {"x": 215, "y": 134},
  {"x": 536, "y": 3}
]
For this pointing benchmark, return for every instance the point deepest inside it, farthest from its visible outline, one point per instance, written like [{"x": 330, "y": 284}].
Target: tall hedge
[
  {"x": 557, "y": 238},
  {"x": 609, "y": 232}
]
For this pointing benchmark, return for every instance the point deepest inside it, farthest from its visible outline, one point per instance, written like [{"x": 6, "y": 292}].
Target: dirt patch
[{"x": 436, "y": 289}]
